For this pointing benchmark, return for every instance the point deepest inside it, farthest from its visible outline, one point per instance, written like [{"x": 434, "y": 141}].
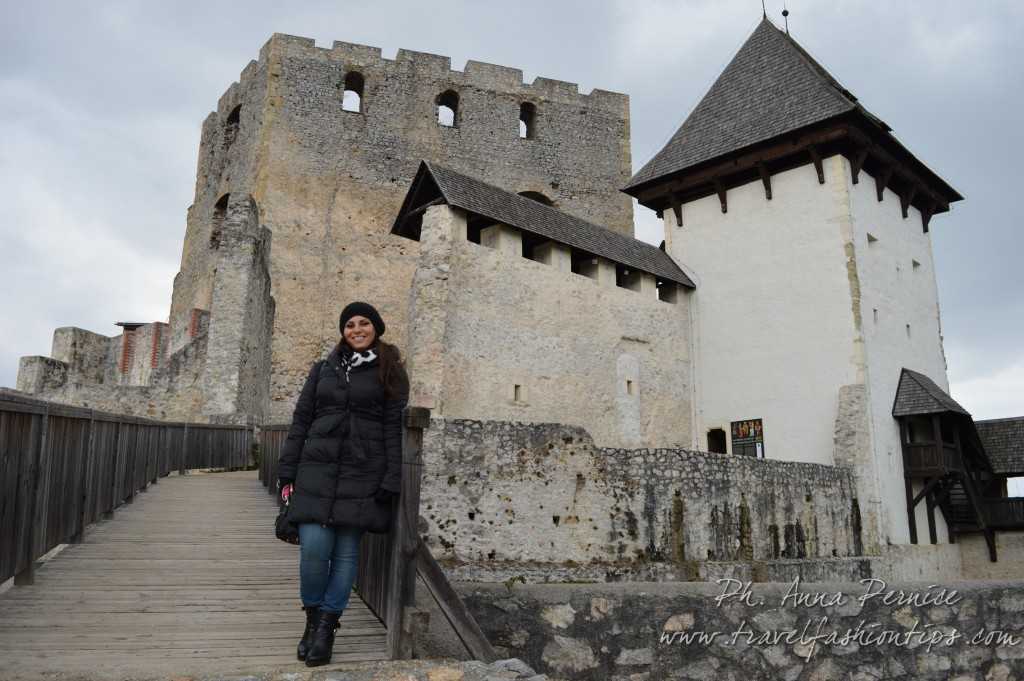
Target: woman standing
[{"x": 341, "y": 466}]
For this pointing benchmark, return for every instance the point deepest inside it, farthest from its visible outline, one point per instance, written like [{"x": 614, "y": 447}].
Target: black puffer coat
[{"x": 344, "y": 443}]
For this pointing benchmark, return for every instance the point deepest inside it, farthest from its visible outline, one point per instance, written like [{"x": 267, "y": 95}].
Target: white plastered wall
[
  {"x": 784, "y": 315},
  {"x": 772, "y": 320},
  {"x": 895, "y": 293}
]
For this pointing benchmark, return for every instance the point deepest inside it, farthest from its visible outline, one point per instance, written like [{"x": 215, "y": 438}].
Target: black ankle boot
[
  {"x": 323, "y": 640},
  {"x": 312, "y": 619}
]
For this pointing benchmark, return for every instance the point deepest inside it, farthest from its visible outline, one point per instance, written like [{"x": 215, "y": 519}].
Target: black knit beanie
[{"x": 365, "y": 310}]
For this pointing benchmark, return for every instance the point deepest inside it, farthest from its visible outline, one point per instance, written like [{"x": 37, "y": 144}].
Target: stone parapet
[
  {"x": 542, "y": 500},
  {"x": 679, "y": 631}
]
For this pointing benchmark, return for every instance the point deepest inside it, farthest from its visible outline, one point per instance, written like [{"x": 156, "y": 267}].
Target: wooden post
[
  {"x": 904, "y": 445},
  {"x": 83, "y": 479},
  {"x": 910, "y": 510},
  {"x": 184, "y": 451},
  {"x": 28, "y": 575},
  {"x": 130, "y": 464},
  {"x": 930, "y": 505},
  {"x": 109, "y": 513},
  {"x": 401, "y": 585},
  {"x": 158, "y": 453}
]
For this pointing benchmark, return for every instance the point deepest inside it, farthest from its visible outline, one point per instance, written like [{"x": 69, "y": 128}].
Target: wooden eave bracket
[
  {"x": 926, "y": 215},
  {"x": 906, "y": 196},
  {"x": 882, "y": 180},
  {"x": 766, "y": 179},
  {"x": 816, "y": 157},
  {"x": 677, "y": 209},
  {"x": 857, "y": 163},
  {"x": 720, "y": 190}
]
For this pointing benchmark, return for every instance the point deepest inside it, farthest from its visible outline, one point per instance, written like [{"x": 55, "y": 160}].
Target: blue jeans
[{"x": 328, "y": 561}]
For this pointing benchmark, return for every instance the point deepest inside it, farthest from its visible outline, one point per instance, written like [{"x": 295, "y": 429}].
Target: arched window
[
  {"x": 352, "y": 99},
  {"x": 538, "y": 197},
  {"x": 220, "y": 213},
  {"x": 448, "y": 109},
  {"x": 527, "y": 116},
  {"x": 231, "y": 126}
]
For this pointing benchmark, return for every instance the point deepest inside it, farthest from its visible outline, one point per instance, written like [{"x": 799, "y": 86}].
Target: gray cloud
[{"x": 103, "y": 104}]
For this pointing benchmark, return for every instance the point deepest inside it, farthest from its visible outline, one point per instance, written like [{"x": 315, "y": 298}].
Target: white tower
[{"x": 805, "y": 224}]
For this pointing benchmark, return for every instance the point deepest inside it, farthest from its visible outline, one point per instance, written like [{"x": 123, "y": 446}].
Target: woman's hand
[{"x": 286, "y": 492}]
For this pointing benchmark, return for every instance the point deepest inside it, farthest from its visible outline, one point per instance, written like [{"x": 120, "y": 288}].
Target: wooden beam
[
  {"x": 882, "y": 180},
  {"x": 885, "y": 159},
  {"x": 816, "y": 158},
  {"x": 720, "y": 190},
  {"x": 452, "y": 607},
  {"x": 677, "y": 208},
  {"x": 422, "y": 209},
  {"x": 926, "y": 215},
  {"x": 910, "y": 510},
  {"x": 906, "y": 196},
  {"x": 766, "y": 179},
  {"x": 660, "y": 214},
  {"x": 857, "y": 163},
  {"x": 925, "y": 491},
  {"x": 930, "y": 505}
]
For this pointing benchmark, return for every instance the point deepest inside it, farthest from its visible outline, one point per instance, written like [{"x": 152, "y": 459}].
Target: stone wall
[
  {"x": 652, "y": 630},
  {"x": 228, "y": 156},
  {"x": 236, "y": 373},
  {"x": 502, "y": 337},
  {"x": 540, "y": 500},
  {"x": 85, "y": 353},
  {"x": 1009, "y": 552},
  {"x": 174, "y": 392}
]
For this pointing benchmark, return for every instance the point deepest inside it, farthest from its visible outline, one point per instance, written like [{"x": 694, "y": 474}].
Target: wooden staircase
[{"x": 964, "y": 509}]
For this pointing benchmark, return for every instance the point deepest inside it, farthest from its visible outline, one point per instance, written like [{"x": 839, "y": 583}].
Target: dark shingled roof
[
  {"x": 770, "y": 88},
  {"x": 474, "y": 196},
  {"x": 1004, "y": 443},
  {"x": 918, "y": 394}
]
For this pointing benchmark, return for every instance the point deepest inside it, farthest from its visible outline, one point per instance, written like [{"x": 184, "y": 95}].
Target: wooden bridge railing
[
  {"x": 388, "y": 564},
  {"x": 62, "y": 468}
]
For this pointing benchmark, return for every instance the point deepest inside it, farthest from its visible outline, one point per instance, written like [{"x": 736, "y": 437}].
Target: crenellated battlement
[{"x": 474, "y": 74}]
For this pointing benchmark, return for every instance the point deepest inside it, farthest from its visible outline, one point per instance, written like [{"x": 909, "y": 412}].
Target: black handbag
[{"x": 284, "y": 528}]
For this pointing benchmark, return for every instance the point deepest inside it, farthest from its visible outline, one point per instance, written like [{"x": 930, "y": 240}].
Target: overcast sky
[{"x": 102, "y": 104}]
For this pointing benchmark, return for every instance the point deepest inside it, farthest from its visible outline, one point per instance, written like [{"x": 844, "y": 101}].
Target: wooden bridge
[{"x": 131, "y": 559}]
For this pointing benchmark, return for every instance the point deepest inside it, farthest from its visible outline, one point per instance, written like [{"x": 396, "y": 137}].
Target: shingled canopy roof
[
  {"x": 918, "y": 394},
  {"x": 770, "y": 91},
  {"x": 435, "y": 184},
  {"x": 1004, "y": 444}
]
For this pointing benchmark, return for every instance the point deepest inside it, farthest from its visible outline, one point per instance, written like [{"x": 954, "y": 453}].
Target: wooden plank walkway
[{"x": 188, "y": 579}]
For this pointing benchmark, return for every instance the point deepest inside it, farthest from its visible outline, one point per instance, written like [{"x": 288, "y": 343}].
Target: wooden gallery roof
[{"x": 435, "y": 184}]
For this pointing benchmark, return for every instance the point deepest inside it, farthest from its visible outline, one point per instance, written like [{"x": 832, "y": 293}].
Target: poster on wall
[{"x": 748, "y": 438}]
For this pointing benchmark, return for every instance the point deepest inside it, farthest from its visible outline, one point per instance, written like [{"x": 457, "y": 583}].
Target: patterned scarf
[{"x": 353, "y": 358}]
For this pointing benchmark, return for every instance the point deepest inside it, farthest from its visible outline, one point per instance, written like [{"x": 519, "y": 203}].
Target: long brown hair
[{"x": 391, "y": 370}]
